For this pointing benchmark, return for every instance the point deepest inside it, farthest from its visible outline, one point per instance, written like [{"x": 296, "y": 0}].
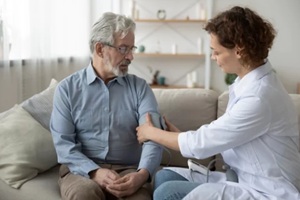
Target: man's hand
[
  {"x": 128, "y": 184},
  {"x": 104, "y": 177}
]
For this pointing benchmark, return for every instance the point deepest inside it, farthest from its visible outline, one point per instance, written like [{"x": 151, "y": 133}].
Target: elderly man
[{"x": 95, "y": 113}]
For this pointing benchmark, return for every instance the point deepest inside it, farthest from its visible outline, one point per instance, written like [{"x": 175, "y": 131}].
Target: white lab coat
[{"x": 258, "y": 136}]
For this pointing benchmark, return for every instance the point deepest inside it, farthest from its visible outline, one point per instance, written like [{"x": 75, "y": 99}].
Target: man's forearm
[{"x": 144, "y": 174}]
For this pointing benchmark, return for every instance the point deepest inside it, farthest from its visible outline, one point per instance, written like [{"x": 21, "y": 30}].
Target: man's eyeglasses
[{"x": 124, "y": 50}]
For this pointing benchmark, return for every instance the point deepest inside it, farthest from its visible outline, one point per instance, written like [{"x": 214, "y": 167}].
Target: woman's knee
[
  {"x": 165, "y": 175},
  {"x": 171, "y": 190}
]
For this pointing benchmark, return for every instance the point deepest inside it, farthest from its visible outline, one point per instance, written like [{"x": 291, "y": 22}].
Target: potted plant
[{"x": 229, "y": 78}]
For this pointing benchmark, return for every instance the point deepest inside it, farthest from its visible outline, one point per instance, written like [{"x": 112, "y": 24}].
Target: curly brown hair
[{"x": 245, "y": 29}]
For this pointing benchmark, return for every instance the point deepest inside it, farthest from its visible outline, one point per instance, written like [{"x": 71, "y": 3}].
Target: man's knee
[{"x": 81, "y": 189}]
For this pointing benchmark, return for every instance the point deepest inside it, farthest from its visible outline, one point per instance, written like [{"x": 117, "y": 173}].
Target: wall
[
  {"x": 284, "y": 15},
  {"x": 160, "y": 37}
]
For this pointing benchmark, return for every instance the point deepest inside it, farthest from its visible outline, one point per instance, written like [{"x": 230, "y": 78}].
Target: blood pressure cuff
[{"x": 157, "y": 120}]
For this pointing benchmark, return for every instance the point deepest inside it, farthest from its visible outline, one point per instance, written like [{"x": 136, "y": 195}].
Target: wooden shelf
[
  {"x": 175, "y": 31},
  {"x": 172, "y": 87},
  {"x": 181, "y": 55},
  {"x": 171, "y": 20}
]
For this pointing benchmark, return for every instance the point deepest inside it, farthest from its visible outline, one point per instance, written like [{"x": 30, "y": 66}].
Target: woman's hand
[
  {"x": 170, "y": 127},
  {"x": 147, "y": 132},
  {"x": 143, "y": 131}
]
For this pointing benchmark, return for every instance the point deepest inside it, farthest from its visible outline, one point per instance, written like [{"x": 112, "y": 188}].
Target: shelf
[
  {"x": 183, "y": 28},
  {"x": 172, "y": 87},
  {"x": 168, "y": 55},
  {"x": 171, "y": 20}
]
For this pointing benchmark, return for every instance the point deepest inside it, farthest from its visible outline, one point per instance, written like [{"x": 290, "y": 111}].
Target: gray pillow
[{"x": 40, "y": 105}]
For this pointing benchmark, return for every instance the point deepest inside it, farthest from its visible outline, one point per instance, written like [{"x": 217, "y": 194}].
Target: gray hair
[{"x": 107, "y": 26}]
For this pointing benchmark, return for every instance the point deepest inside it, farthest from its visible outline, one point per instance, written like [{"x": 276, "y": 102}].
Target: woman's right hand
[{"x": 170, "y": 127}]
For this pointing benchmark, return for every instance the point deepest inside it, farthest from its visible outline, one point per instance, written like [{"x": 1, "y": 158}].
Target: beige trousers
[{"x": 76, "y": 187}]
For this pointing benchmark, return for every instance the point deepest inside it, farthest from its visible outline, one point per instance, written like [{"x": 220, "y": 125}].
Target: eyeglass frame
[{"x": 123, "y": 50}]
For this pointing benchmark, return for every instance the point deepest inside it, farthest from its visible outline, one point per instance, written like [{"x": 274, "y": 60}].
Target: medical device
[{"x": 197, "y": 167}]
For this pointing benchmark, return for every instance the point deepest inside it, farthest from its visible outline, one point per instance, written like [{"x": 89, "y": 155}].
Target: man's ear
[{"x": 99, "y": 49}]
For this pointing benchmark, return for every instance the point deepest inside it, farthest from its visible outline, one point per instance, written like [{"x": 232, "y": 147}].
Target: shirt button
[{"x": 105, "y": 109}]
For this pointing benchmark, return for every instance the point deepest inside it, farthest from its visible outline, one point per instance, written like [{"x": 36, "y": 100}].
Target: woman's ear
[
  {"x": 99, "y": 49},
  {"x": 238, "y": 52}
]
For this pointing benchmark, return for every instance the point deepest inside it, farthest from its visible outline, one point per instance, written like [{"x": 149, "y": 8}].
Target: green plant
[{"x": 229, "y": 78}]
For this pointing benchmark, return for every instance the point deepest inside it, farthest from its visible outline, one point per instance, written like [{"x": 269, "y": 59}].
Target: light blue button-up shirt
[{"x": 94, "y": 123}]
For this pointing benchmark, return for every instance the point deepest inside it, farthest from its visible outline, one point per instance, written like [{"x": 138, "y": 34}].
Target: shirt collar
[
  {"x": 121, "y": 80},
  {"x": 240, "y": 84},
  {"x": 91, "y": 76}
]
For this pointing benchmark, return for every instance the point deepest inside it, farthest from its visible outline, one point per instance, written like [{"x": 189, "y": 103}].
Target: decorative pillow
[
  {"x": 40, "y": 105},
  {"x": 7, "y": 112},
  {"x": 26, "y": 148}
]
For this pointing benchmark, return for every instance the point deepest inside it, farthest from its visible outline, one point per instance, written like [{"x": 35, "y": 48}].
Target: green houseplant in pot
[{"x": 229, "y": 78}]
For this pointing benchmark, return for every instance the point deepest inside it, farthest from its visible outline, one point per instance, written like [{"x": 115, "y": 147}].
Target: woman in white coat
[{"x": 258, "y": 136}]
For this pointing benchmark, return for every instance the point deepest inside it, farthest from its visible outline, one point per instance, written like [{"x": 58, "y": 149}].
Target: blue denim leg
[
  {"x": 174, "y": 190},
  {"x": 165, "y": 175},
  {"x": 169, "y": 185}
]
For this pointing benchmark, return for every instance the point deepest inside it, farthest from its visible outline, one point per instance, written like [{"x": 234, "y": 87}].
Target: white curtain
[{"x": 40, "y": 40}]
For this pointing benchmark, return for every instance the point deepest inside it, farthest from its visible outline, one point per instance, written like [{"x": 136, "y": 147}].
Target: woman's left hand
[{"x": 144, "y": 130}]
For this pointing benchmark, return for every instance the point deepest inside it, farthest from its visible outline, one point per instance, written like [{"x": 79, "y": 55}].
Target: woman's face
[{"x": 227, "y": 59}]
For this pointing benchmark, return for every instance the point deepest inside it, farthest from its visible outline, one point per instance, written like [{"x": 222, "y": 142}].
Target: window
[{"x": 44, "y": 28}]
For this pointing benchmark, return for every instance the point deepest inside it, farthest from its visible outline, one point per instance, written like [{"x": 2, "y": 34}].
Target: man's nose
[{"x": 129, "y": 56}]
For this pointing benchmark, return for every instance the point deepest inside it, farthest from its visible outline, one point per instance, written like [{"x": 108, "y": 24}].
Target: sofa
[{"x": 28, "y": 166}]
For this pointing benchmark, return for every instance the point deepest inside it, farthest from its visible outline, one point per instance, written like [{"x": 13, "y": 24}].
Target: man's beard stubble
[{"x": 117, "y": 69}]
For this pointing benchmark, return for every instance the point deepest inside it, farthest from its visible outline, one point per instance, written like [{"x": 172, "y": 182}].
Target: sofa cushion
[
  {"x": 40, "y": 105},
  {"x": 222, "y": 103},
  {"x": 184, "y": 108},
  {"x": 26, "y": 148},
  {"x": 42, "y": 187},
  {"x": 5, "y": 113}
]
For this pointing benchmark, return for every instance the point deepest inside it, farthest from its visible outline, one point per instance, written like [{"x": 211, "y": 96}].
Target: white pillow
[
  {"x": 26, "y": 148},
  {"x": 7, "y": 112},
  {"x": 40, "y": 105}
]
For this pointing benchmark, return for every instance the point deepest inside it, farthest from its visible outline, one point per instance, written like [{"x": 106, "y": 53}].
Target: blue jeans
[{"x": 169, "y": 185}]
